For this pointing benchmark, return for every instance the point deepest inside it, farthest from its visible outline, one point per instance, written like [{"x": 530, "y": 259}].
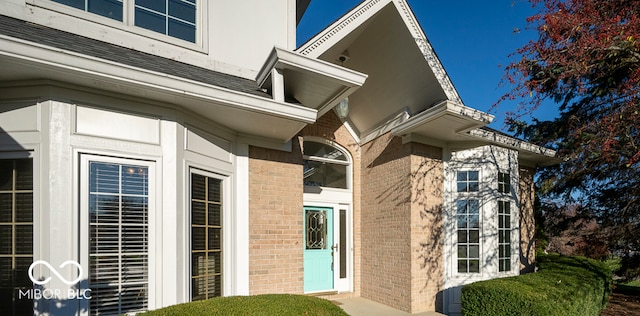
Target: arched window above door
[{"x": 326, "y": 165}]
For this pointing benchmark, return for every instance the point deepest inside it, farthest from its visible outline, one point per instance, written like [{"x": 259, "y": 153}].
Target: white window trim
[
  {"x": 128, "y": 23},
  {"x": 154, "y": 242},
  {"x": 348, "y": 163},
  {"x": 228, "y": 253}
]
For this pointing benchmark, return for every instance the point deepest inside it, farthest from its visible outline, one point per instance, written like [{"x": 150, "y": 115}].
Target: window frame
[
  {"x": 84, "y": 218},
  {"x": 14, "y": 156},
  {"x": 348, "y": 163},
  {"x": 128, "y": 23},
  {"x": 224, "y": 222}
]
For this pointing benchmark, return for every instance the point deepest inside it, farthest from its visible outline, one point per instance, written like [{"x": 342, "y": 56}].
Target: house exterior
[{"x": 154, "y": 153}]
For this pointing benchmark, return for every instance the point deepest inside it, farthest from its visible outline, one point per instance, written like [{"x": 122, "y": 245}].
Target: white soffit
[
  {"x": 244, "y": 113},
  {"x": 447, "y": 121},
  {"x": 314, "y": 83}
]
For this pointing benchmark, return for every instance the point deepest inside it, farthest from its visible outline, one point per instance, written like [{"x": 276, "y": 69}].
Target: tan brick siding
[
  {"x": 527, "y": 220},
  {"x": 402, "y": 223},
  {"x": 427, "y": 230},
  {"x": 275, "y": 221}
]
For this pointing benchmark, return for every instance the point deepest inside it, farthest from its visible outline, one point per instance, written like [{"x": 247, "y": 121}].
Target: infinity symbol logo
[{"x": 52, "y": 269}]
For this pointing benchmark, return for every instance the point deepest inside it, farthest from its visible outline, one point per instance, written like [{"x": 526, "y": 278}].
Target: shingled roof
[{"x": 79, "y": 44}]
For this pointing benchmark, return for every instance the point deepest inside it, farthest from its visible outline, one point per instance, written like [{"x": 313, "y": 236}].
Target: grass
[{"x": 267, "y": 304}]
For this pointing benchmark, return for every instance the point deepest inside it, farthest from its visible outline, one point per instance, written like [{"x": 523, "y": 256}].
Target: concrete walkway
[{"x": 359, "y": 306}]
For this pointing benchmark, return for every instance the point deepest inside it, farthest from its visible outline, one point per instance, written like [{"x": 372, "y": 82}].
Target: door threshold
[{"x": 332, "y": 292}]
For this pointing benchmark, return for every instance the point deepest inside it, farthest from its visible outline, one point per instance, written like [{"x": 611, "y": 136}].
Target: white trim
[
  {"x": 154, "y": 245},
  {"x": 128, "y": 24},
  {"x": 241, "y": 224}
]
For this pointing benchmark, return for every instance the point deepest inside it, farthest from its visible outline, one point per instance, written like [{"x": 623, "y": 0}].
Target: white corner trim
[{"x": 241, "y": 225}]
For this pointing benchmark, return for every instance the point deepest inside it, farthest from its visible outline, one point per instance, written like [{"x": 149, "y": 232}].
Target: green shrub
[
  {"x": 268, "y": 304},
  {"x": 562, "y": 286}
]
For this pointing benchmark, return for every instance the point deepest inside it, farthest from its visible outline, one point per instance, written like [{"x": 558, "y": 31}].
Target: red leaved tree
[{"x": 587, "y": 61}]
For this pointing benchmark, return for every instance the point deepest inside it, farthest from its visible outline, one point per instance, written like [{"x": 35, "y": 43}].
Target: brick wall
[
  {"x": 427, "y": 230},
  {"x": 402, "y": 223},
  {"x": 527, "y": 220},
  {"x": 275, "y": 221}
]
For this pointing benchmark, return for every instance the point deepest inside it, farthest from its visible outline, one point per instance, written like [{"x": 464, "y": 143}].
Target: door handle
[{"x": 335, "y": 247}]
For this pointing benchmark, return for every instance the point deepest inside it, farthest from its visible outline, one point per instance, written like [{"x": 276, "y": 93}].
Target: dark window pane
[
  {"x": 214, "y": 214},
  {"x": 214, "y": 238},
  {"x": 325, "y": 174},
  {"x": 198, "y": 187},
  {"x": 462, "y": 236},
  {"x": 24, "y": 207},
  {"x": 198, "y": 236},
  {"x": 151, "y": 21},
  {"x": 6, "y": 237},
  {"x": 462, "y": 252},
  {"x": 474, "y": 236},
  {"x": 160, "y": 6},
  {"x": 6, "y": 213},
  {"x": 79, "y": 4},
  {"x": 214, "y": 190},
  {"x": 213, "y": 262},
  {"x": 24, "y": 174},
  {"x": 104, "y": 208},
  {"x": 24, "y": 241},
  {"x": 198, "y": 213},
  {"x": 474, "y": 266},
  {"x": 462, "y": 266},
  {"x": 107, "y": 8},
  {"x": 182, "y": 10}
]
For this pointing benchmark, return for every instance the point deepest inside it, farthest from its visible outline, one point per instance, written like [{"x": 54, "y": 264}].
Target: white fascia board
[
  {"x": 335, "y": 32},
  {"x": 100, "y": 69},
  {"x": 284, "y": 59},
  {"x": 511, "y": 142},
  {"x": 474, "y": 116}
]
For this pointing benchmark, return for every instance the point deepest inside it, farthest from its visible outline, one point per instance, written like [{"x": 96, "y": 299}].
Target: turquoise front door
[{"x": 318, "y": 249}]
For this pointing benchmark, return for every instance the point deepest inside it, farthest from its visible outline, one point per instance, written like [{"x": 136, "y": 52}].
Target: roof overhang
[
  {"x": 529, "y": 154},
  {"x": 244, "y": 113},
  {"x": 316, "y": 84},
  {"x": 445, "y": 122}
]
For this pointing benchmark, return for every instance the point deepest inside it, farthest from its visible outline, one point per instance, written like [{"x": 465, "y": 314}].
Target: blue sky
[{"x": 472, "y": 38}]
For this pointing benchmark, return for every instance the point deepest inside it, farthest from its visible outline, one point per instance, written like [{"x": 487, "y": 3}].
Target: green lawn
[{"x": 268, "y": 304}]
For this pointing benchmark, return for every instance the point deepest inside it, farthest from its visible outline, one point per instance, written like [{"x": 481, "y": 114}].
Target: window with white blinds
[{"x": 118, "y": 237}]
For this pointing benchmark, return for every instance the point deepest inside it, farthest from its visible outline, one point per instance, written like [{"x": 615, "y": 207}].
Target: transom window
[
  {"x": 16, "y": 234},
  {"x": 504, "y": 236},
  {"x": 468, "y": 226},
  {"x": 118, "y": 237},
  {"x": 176, "y": 18},
  {"x": 468, "y": 181},
  {"x": 504, "y": 183},
  {"x": 325, "y": 166},
  {"x": 206, "y": 237}
]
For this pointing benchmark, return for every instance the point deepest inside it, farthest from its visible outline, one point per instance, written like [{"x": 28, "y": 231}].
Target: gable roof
[
  {"x": 383, "y": 39},
  {"x": 407, "y": 92}
]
